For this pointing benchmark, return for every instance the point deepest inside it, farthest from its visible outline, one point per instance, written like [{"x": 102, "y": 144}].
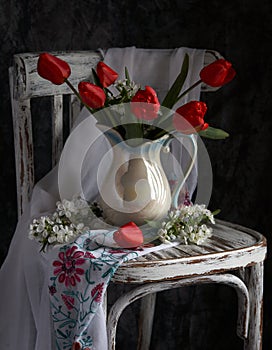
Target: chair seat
[{"x": 230, "y": 247}]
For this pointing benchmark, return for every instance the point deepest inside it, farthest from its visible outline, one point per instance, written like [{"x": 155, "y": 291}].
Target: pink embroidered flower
[
  {"x": 76, "y": 346},
  {"x": 97, "y": 292},
  {"x": 89, "y": 255},
  {"x": 117, "y": 251},
  {"x": 68, "y": 301},
  {"x": 52, "y": 290},
  {"x": 67, "y": 268}
]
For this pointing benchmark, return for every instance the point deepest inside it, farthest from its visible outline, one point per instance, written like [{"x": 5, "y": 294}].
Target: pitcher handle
[{"x": 180, "y": 184}]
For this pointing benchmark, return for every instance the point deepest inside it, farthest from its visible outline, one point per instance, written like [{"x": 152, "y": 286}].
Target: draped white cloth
[{"x": 25, "y": 322}]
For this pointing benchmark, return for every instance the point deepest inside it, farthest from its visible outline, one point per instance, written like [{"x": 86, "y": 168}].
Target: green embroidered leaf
[
  {"x": 172, "y": 95},
  {"x": 73, "y": 322},
  {"x": 68, "y": 292},
  {"x": 64, "y": 336},
  {"x": 110, "y": 272},
  {"x": 87, "y": 276}
]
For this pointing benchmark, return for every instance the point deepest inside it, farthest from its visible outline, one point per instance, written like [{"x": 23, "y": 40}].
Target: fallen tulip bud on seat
[{"x": 129, "y": 236}]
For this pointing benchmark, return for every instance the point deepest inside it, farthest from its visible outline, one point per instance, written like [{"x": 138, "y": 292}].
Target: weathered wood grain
[
  {"x": 29, "y": 84},
  {"x": 146, "y": 321},
  {"x": 23, "y": 144},
  {"x": 57, "y": 128},
  {"x": 254, "y": 281},
  {"x": 74, "y": 110},
  {"x": 154, "y": 267},
  {"x": 149, "y": 288}
]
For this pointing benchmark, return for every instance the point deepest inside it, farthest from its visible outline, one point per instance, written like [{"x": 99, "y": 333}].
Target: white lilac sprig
[
  {"x": 70, "y": 219},
  {"x": 188, "y": 224},
  {"x": 54, "y": 229},
  {"x": 126, "y": 88}
]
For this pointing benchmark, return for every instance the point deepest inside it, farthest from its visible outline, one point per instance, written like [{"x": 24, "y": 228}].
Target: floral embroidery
[
  {"x": 73, "y": 304},
  {"x": 68, "y": 301},
  {"x": 89, "y": 255},
  {"x": 97, "y": 292},
  {"x": 66, "y": 268},
  {"x": 117, "y": 251},
  {"x": 52, "y": 290},
  {"x": 76, "y": 346}
]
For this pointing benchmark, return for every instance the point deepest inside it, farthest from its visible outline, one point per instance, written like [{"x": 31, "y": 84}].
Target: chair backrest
[{"x": 25, "y": 84}]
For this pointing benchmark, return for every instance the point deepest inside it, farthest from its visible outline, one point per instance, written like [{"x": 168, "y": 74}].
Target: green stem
[
  {"x": 188, "y": 90},
  {"x": 77, "y": 95}
]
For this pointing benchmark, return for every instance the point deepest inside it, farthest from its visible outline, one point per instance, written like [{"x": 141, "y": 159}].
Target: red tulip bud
[
  {"x": 217, "y": 73},
  {"x": 53, "y": 68},
  {"x": 145, "y": 104},
  {"x": 189, "y": 118},
  {"x": 106, "y": 75},
  {"x": 91, "y": 94},
  {"x": 129, "y": 236}
]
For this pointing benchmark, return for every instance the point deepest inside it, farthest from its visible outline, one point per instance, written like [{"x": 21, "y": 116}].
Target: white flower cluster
[
  {"x": 70, "y": 219},
  {"x": 187, "y": 224},
  {"x": 127, "y": 87}
]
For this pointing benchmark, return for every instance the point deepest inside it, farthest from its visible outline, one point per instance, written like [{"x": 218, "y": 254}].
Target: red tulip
[
  {"x": 129, "y": 236},
  {"x": 145, "y": 104},
  {"x": 217, "y": 73},
  {"x": 91, "y": 94},
  {"x": 189, "y": 118},
  {"x": 53, "y": 68},
  {"x": 106, "y": 75}
]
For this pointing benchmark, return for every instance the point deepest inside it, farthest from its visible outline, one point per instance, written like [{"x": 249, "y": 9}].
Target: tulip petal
[
  {"x": 129, "y": 236},
  {"x": 106, "y": 75},
  {"x": 218, "y": 73},
  {"x": 92, "y": 94},
  {"x": 53, "y": 68},
  {"x": 145, "y": 104}
]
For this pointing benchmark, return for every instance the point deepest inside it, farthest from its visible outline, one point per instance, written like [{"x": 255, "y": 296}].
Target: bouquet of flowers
[{"x": 146, "y": 119}]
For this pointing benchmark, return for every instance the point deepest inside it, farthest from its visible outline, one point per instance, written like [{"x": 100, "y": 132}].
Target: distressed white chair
[{"x": 233, "y": 256}]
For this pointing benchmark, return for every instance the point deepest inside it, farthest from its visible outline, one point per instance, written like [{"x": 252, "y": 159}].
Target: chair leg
[
  {"x": 149, "y": 288},
  {"x": 146, "y": 321},
  {"x": 254, "y": 282}
]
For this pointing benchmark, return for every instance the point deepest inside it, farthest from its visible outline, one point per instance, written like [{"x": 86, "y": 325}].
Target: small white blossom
[
  {"x": 187, "y": 224},
  {"x": 80, "y": 226},
  {"x": 70, "y": 219},
  {"x": 130, "y": 88},
  {"x": 52, "y": 239}
]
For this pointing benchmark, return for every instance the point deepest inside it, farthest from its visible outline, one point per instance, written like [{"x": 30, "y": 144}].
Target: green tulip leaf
[
  {"x": 127, "y": 76},
  {"x": 172, "y": 95},
  {"x": 213, "y": 133},
  {"x": 216, "y": 212},
  {"x": 95, "y": 78}
]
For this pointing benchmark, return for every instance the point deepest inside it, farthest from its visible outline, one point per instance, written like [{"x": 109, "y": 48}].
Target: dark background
[{"x": 198, "y": 317}]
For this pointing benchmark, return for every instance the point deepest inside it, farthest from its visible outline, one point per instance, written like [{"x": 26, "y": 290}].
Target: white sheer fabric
[{"x": 24, "y": 309}]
